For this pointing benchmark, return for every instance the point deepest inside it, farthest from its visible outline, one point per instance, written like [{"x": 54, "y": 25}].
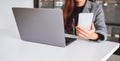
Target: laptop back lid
[{"x": 41, "y": 25}]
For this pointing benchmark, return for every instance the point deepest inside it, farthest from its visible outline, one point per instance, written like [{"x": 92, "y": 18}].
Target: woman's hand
[{"x": 87, "y": 34}]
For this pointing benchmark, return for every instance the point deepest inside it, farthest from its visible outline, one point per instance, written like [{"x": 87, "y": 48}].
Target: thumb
[{"x": 92, "y": 27}]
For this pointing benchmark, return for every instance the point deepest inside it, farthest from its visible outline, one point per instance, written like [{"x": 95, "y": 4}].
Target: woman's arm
[{"x": 100, "y": 25}]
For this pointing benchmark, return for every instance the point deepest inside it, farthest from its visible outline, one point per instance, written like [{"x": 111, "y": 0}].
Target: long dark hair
[{"x": 67, "y": 12}]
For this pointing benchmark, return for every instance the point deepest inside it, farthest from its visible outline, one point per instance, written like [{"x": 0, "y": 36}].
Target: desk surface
[
  {"x": 13, "y": 49},
  {"x": 77, "y": 51}
]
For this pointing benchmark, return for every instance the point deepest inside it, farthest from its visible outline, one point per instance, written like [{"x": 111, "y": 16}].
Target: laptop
[{"x": 41, "y": 25}]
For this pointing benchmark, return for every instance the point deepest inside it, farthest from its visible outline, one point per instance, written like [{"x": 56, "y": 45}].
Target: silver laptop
[{"x": 41, "y": 25}]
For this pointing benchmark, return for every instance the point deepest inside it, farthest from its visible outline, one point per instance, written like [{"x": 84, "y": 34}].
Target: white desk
[
  {"x": 13, "y": 49},
  {"x": 77, "y": 51}
]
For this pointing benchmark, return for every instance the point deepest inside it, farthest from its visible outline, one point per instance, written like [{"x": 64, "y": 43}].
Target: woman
[{"x": 72, "y": 8}]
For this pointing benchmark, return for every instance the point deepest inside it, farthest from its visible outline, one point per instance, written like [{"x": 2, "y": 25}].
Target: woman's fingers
[
  {"x": 86, "y": 34},
  {"x": 81, "y": 29},
  {"x": 81, "y": 32},
  {"x": 80, "y": 35}
]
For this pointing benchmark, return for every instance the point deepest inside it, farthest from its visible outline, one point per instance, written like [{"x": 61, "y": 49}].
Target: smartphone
[{"x": 85, "y": 20}]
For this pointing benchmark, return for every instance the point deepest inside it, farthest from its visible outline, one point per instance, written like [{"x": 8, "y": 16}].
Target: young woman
[{"x": 72, "y": 8}]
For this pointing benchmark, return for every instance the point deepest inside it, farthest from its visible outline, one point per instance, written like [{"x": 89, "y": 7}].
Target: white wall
[
  {"x": 9, "y": 37},
  {"x": 7, "y": 21},
  {"x": 6, "y": 16}
]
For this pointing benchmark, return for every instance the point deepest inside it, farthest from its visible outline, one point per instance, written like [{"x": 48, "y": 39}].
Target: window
[{"x": 48, "y": 3}]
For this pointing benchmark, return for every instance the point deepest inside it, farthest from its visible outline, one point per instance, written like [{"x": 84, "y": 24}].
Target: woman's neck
[{"x": 82, "y": 3}]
